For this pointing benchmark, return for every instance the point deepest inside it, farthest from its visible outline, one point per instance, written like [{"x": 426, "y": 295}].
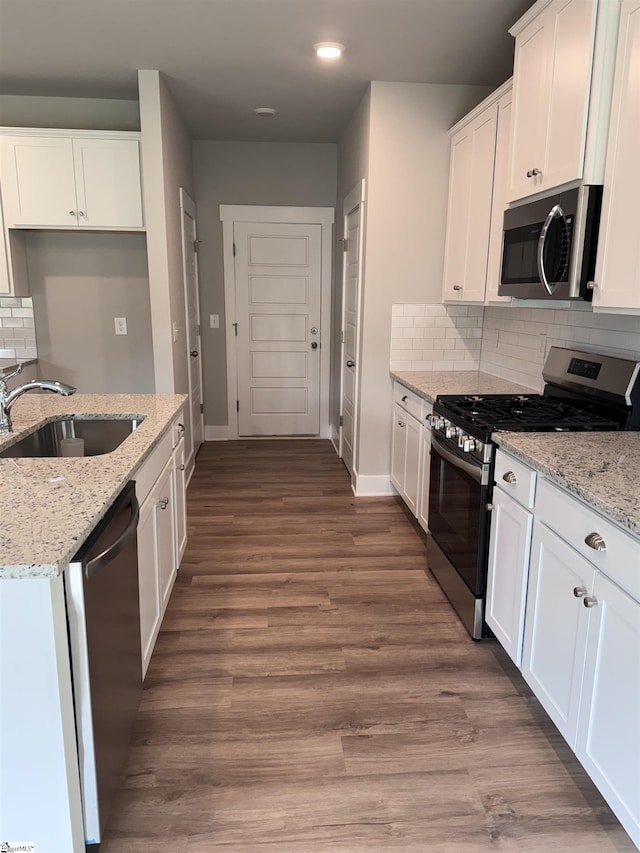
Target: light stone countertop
[
  {"x": 601, "y": 468},
  {"x": 429, "y": 384},
  {"x": 7, "y": 364},
  {"x": 49, "y": 506}
]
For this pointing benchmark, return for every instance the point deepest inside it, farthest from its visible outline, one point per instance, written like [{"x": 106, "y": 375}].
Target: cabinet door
[
  {"x": 149, "y": 589},
  {"x": 556, "y": 628},
  {"x": 398, "y": 447},
  {"x": 552, "y": 84},
  {"x": 412, "y": 463},
  {"x": 530, "y": 104},
  {"x": 180, "y": 503},
  {"x": 509, "y": 549},
  {"x": 608, "y": 743},
  {"x": 469, "y": 210},
  {"x": 165, "y": 536},
  {"x": 618, "y": 259},
  {"x": 499, "y": 200},
  {"x": 38, "y": 181},
  {"x": 5, "y": 282},
  {"x": 107, "y": 173},
  {"x": 425, "y": 470}
]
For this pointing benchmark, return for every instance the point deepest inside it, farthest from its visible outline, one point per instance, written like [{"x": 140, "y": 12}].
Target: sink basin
[{"x": 100, "y": 435}]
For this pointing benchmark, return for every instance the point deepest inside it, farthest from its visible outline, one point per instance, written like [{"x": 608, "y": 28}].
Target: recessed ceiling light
[
  {"x": 329, "y": 49},
  {"x": 267, "y": 112}
]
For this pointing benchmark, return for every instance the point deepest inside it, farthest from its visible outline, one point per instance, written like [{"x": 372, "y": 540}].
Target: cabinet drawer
[
  {"x": 151, "y": 468},
  {"x": 409, "y": 400},
  {"x": 523, "y": 487},
  {"x": 574, "y": 521}
]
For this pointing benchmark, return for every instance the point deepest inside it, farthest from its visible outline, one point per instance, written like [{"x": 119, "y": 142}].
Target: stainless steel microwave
[{"x": 549, "y": 246}]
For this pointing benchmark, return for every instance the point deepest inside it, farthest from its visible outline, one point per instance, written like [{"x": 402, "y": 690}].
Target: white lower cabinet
[
  {"x": 608, "y": 742},
  {"x": 406, "y": 456},
  {"x": 510, "y": 543},
  {"x": 425, "y": 467},
  {"x": 162, "y": 533}
]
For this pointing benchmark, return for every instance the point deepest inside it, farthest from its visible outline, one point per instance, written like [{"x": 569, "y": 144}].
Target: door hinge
[
  {"x": 342, "y": 334},
  {"x": 341, "y": 421},
  {"x": 237, "y": 405},
  {"x": 234, "y": 250},
  {"x": 345, "y": 244},
  {"x": 195, "y": 245},
  {"x": 201, "y": 408},
  {"x": 235, "y": 329}
]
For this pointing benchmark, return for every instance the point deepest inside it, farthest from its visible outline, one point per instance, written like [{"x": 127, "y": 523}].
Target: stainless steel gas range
[{"x": 583, "y": 392}]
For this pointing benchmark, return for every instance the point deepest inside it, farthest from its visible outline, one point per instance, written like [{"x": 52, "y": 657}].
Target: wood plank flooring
[{"x": 312, "y": 691}]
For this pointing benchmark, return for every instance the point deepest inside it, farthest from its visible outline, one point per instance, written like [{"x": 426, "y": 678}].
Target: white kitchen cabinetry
[
  {"x": 71, "y": 179},
  {"x": 161, "y": 532},
  {"x": 561, "y": 90},
  {"x": 509, "y": 547},
  {"x": 499, "y": 198},
  {"x": 425, "y": 466},
  {"x": 469, "y": 207},
  {"x": 406, "y": 444},
  {"x": 582, "y": 642},
  {"x": 617, "y": 275}
]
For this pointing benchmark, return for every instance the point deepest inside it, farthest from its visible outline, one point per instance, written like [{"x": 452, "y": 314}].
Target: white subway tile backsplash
[
  {"x": 444, "y": 337},
  {"x": 17, "y": 330}
]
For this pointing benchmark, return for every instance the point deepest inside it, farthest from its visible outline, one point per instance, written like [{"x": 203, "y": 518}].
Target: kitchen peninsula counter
[
  {"x": 49, "y": 506},
  {"x": 428, "y": 384},
  {"x": 601, "y": 468}
]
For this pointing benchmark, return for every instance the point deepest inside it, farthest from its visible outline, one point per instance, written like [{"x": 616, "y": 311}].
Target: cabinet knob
[
  {"x": 580, "y": 591},
  {"x": 488, "y": 507},
  {"x": 404, "y": 398},
  {"x": 72, "y": 213},
  {"x": 533, "y": 172},
  {"x": 180, "y": 467},
  {"x": 591, "y": 285},
  {"x": 80, "y": 213},
  {"x": 181, "y": 428},
  {"x": 510, "y": 477},
  {"x": 401, "y": 424},
  {"x": 457, "y": 287},
  {"x": 351, "y": 363},
  {"x": 590, "y": 601},
  {"x": 164, "y": 503},
  {"x": 595, "y": 541}
]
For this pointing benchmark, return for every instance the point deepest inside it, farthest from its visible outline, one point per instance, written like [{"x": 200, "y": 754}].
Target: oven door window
[{"x": 457, "y": 519}]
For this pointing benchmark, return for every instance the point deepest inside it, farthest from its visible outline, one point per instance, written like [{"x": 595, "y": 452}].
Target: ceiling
[{"x": 223, "y": 58}]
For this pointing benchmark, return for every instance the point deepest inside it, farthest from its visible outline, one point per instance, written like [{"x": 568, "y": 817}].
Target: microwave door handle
[{"x": 555, "y": 212}]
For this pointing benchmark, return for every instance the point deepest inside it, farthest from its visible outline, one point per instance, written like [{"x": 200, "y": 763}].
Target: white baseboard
[
  {"x": 371, "y": 486},
  {"x": 216, "y": 433}
]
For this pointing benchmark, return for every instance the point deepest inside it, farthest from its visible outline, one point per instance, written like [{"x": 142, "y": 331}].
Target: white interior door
[
  {"x": 192, "y": 312},
  {"x": 278, "y": 296},
  {"x": 351, "y": 288}
]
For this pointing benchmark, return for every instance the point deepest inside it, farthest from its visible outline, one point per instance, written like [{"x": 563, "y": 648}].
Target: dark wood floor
[{"x": 311, "y": 689}]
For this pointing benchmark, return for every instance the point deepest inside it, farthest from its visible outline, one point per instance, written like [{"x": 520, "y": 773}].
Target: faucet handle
[{"x": 15, "y": 372}]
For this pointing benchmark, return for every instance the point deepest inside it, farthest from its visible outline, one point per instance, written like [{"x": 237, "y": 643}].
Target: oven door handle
[{"x": 474, "y": 471}]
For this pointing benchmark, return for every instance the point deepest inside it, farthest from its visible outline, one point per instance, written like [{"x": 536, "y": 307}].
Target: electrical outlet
[
  {"x": 121, "y": 325},
  {"x": 214, "y": 321}
]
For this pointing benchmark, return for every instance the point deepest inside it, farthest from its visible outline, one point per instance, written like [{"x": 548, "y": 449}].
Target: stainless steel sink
[{"x": 99, "y": 435}]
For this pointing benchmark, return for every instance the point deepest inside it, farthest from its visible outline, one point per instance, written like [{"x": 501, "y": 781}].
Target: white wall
[
  {"x": 406, "y": 214},
  {"x": 166, "y": 165},
  {"x": 76, "y": 113},
  {"x": 254, "y": 173}
]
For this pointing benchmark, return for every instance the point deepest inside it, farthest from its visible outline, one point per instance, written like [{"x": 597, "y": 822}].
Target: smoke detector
[{"x": 266, "y": 112}]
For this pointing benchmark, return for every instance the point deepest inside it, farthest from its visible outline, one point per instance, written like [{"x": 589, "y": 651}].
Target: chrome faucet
[{"x": 8, "y": 398}]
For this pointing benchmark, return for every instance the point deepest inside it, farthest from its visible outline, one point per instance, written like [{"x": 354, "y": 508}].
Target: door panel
[
  {"x": 352, "y": 271},
  {"x": 278, "y": 279},
  {"x": 192, "y": 310}
]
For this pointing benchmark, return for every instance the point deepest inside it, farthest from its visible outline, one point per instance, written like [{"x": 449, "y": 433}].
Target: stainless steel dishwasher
[{"x": 103, "y": 615}]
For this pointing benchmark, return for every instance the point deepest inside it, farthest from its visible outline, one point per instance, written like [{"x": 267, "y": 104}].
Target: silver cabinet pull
[
  {"x": 595, "y": 541},
  {"x": 404, "y": 398},
  {"x": 80, "y": 213},
  {"x": 351, "y": 363},
  {"x": 72, "y": 213},
  {"x": 580, "y": 591},
  {"x": 533, "y": 172},
  {"x": 510, "y": 477},
  {"x": 164, "y": 503},
  {"x": 180, "y": 428},
  {"x": 457, "y": 287},
  {"x": 401, "y": 424},
  {"x": 180, "y": 467},
  {"x": 590, "y": 601},
  {"x": 489, "y": 507}
]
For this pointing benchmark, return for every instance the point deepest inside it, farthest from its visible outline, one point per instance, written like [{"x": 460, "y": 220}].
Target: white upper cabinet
[
  {"x": 473, "y": 144},
  {"x": 561, "y": 88},
  {"x": 70, "y": 179},
  {"x": 499, "y": 200},
  {"x": 617, "y": 276}
]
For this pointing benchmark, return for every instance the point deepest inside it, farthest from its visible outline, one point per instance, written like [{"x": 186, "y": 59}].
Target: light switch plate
[
  {"x": 121, "y": 325},
  {"x": 214, "y": 321}
]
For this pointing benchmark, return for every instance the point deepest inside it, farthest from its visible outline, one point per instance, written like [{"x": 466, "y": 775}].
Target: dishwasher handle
[{"x": 116, "y": 547}]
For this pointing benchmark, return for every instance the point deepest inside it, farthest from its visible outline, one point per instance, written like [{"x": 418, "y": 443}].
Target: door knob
[
  {"x": 194, "y": 353},
  {"x": 314, "y": 344},
  {"x": 351, "y": 363}
]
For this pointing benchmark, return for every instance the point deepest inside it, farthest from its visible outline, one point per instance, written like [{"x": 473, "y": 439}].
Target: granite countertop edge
[
  {"x": 51, "y": 505},
  {"x": 429, "y": 384},
  {"x": 606, "y": 480}
]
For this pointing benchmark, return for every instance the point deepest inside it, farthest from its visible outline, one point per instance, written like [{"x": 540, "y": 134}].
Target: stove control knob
[
  {"x": 469, "y": 445},
  {"x": 451, "y": 431}
]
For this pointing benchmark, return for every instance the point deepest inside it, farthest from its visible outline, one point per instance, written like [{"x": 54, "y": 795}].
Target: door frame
[
  {"x": 231, "y": 213},
  {"x": 188, "y": 205},
  {"x": 355, "y": 198}
]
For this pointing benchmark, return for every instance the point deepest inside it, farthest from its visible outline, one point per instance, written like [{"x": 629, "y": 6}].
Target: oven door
[{"x": 458, "y": 518}]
